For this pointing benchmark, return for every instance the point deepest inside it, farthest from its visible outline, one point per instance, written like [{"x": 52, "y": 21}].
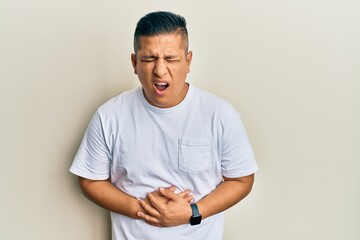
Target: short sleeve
[
  {"x": 92, "y": 160},
  {"x": 237, "y": 156}
]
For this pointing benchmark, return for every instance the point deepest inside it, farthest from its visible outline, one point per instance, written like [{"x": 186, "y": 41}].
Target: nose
[{"x": 160, "y": 68}]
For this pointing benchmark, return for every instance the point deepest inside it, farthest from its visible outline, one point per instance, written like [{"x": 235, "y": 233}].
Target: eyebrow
[{"x": 171, "y": 56}]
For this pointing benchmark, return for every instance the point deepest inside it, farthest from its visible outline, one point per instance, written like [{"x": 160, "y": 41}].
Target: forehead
[{"x": 164, "y": 43}]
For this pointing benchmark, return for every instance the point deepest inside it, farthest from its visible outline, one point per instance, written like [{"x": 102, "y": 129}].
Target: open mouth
[{"x": 161, "y": 86}]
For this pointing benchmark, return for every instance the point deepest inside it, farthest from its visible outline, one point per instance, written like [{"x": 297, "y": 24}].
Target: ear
[
  {"x": 134, "y": 62},
  {"x": 188, "y": 60}
]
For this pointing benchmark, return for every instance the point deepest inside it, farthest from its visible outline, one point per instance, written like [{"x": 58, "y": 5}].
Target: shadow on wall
[{"x": 89, "y": 209}]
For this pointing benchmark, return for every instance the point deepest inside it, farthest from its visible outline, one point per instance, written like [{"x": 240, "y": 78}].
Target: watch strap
[
  {"x": 196, "y": 216},
  {"x": 195, "y": 209}
]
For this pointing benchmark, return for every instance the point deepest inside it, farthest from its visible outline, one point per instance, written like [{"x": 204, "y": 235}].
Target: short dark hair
[{"x": 157, "y": 23}]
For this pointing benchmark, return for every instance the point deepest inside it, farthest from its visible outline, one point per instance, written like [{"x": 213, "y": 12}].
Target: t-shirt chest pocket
[{"x": 195, "y": 155}]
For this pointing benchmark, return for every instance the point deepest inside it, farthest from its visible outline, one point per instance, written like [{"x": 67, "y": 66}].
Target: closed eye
[
  {"x": 172, "y": 59},
  {"x": 148, "y": 59}
]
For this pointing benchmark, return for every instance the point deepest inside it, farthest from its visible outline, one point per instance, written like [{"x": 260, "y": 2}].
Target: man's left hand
[{"x": 175, "y": 212}]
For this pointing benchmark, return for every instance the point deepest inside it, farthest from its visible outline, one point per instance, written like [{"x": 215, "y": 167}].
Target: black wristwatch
[{"x": 196, "y": 216}]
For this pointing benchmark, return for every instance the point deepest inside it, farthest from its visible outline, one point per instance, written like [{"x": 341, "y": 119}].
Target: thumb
[
  {"x": 187, "y": 196},
  {"x": 166, "y": 192},
  {"x": 171, "y": 188}
]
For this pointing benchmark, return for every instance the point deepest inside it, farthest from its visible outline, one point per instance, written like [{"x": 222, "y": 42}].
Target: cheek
[
  {"x": 180, "y": 74},
  {"x": 144, "y": 72},
  {"x": 178, "y": 71}
]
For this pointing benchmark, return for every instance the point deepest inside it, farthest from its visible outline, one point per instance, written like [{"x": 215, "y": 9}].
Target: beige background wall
[{"x": 292, "y": 68}]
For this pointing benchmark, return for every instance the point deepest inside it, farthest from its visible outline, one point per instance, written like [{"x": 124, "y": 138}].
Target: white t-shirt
[{"x": 142, "y": 147}]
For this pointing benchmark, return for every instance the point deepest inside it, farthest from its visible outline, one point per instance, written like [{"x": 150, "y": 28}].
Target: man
[{"x": 166, "y": 159}]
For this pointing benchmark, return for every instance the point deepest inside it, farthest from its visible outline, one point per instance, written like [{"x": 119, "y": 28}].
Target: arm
[
  {"x": 226, "y": 195},
  {"x": 106, "y": 195},
  {"x": 177, "y": 211}
]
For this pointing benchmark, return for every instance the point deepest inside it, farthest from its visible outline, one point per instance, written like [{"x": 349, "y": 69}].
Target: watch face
[{"x": 195, "y": 220}]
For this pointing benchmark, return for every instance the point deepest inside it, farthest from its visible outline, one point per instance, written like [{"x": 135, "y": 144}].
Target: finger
[
  {"x": 168, "y": 194},
  {"x": 184, "y": 194},
  {"x": 171, "y": 188},
  {"x": 189, "y": 199},
  {"x": 155, "y": 203},
  {"x": 149, "y": 209}
]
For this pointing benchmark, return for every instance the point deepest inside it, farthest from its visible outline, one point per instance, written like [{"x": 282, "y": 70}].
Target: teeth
[{"x": 161, "y": 84}]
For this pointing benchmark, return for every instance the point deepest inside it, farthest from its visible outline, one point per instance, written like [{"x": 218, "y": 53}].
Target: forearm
[
  {"x": 226, "y": 195},
  {"x": 106, "y": 195}
]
